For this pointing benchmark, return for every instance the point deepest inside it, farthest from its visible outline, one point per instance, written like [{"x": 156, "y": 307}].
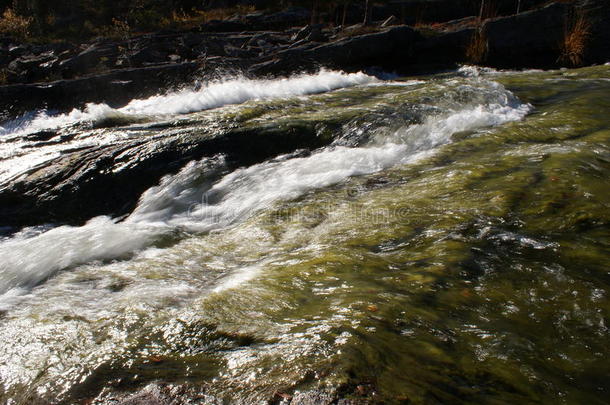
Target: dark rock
[
  {"x": 88, "y": 60},
  {"x": 441, "y": 50},
  {"x": 530, "y": 39},
  {"x": 302, "y": 33},
  {"x": 191, "y": 39},
  {"x": 316, "y": 35},
  {"x": 150, "y": 55},
  {"x": 5, "y": 58},
  {"x": 31, "y": 67},
  {"x": 598, "y": 14},
  {"x": 223, "y": 26},
  {"x": 310, "y": 33},
  {"x": 235, "y": 52},
  {"x": 115, "y": 88},
  {"x": 290, "y": 17},
  {"x": 18, "y": 51},
  {"x": 108, "y": 180},
  {"x": 41, "y": 136},
  {"x": 391, "y": 48}
]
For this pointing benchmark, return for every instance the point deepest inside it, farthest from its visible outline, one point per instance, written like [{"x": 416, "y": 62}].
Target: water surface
[{"x": 450, "y": 245}]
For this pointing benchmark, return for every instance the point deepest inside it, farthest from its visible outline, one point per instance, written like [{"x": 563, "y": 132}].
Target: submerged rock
[{"x": 108, "y": 180}]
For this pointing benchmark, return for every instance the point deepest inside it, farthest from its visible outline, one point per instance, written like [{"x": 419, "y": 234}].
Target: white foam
[
  {"x": 183, "y": 201},
  {"x": 477, "y": 71},
  {"x": 26, "y": 261},
  {"x": 213, "y": 95}
]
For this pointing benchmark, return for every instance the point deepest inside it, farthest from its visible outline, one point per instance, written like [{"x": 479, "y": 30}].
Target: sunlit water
[{"x": 450, "y": 245}]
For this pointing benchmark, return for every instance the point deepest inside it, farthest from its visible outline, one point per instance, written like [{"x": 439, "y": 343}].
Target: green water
[{"x": 478, "y": 273}]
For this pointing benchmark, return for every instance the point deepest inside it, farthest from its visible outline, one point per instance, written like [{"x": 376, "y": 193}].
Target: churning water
[{"x": 448, "y": 244}]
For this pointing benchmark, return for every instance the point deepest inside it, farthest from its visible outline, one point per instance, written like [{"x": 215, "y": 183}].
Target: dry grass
[
  {"x": 117, "y": 30},
  {"x": 15, "y": 25},
  {"x": 476, "y": 50},
  {"x": 576, "y": 38},
  {"x": 197, "y": 17},
  {"x": 3, "y": 77}
]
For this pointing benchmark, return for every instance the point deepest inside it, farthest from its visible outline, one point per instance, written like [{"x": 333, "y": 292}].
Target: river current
[{"x": 449, "y": 245}]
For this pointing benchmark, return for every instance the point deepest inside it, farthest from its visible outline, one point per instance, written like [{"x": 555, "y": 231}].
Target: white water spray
[
  {"x": 181, "y": 201},
  {"x": 213, "y": 95}
]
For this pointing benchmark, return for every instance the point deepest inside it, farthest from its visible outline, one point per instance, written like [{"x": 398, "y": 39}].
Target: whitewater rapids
[{"x": 181, "y": 202}]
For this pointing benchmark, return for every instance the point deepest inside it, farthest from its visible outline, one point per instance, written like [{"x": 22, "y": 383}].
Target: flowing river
[{"x": 449, "y": 244}]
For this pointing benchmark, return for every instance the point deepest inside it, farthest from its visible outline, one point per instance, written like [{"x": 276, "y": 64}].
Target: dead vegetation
[
  {"x": 576, "y": 38},
  {"x": 476, "y": 50},
  {"x": 15, "y": 25},
  {"x": 197, "y": 17}
]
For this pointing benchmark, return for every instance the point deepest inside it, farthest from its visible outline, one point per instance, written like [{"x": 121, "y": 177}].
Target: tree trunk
[
  {"x": 314, "y": 12},
  {"x": 518, "y": 6},
  {"x": 368, "y": 8},
  {"x": 344, "y": 18},
  {"x": 481, "y": 10}
]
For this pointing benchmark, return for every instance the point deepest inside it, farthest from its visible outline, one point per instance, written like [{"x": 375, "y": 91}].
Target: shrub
[{"x": 15, "y": 25}]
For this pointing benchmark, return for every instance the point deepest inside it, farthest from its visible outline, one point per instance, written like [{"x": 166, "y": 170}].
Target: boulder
[
  {"x": 152, "y": 54},
  {"x": 89, "y": 60},
  {"x": 598, "y": 14},
  {"x": 390, "y": 48},
  {"x": 530, "y": 39},
  {"x": 440, "y": 50},
  {"x": 30, "y": 68},
  {"x": 18, "y": 51},
  {"x": 290, "y": 17}
]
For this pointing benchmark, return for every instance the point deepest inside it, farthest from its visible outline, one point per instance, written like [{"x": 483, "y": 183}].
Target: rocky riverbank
[
  {"x": 75, "y": 185},
  {"x": 61, "y": 76}
]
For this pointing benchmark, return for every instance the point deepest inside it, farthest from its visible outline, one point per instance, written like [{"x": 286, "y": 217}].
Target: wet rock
[
  {"x": 313, "y": 398},
  {"x": 41, "y": 136},
  {"x": 108, "y": 180}
]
